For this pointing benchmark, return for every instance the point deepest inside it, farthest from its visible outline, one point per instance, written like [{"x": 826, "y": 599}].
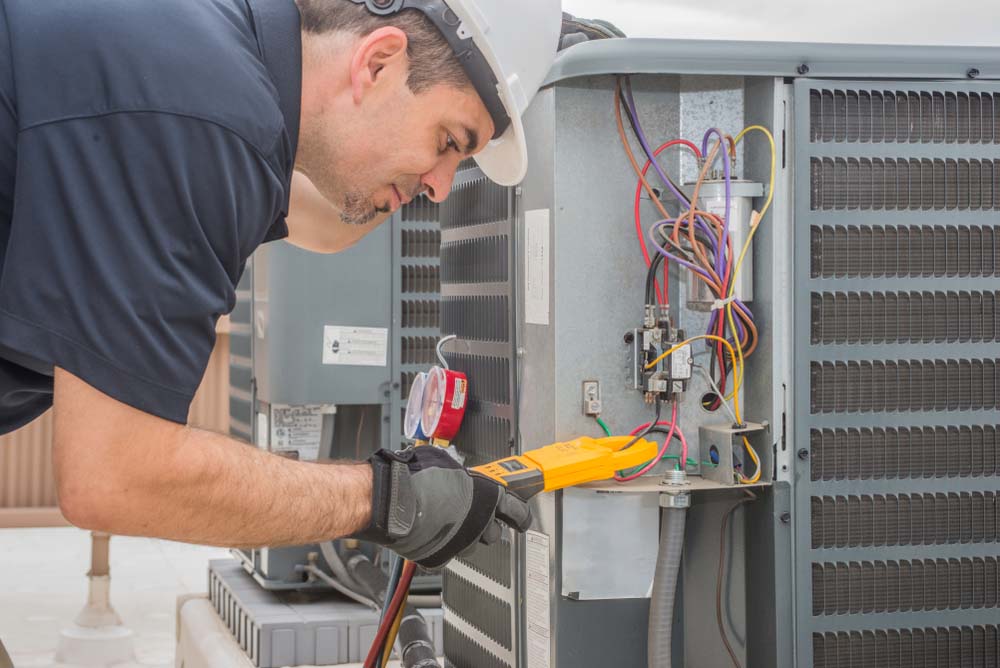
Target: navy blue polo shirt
[{"x": 146, "y": 149}]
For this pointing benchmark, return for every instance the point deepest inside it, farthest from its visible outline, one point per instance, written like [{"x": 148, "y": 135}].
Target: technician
[{"x": 146, "y": 149}]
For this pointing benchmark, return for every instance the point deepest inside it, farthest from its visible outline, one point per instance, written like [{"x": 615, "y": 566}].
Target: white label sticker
[
  {"x": 297, "y": 429},
  {"x": 536, "y": 267},
  {"x": 537, "y": 600},
  {"x": 458, "y": 398},
  {"x": 356, "y": 346}
]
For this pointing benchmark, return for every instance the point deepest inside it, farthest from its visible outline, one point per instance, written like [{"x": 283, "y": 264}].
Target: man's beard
[{"x": 359, "y": 209}]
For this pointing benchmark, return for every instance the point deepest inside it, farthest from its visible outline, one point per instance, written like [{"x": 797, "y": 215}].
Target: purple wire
[
  {"x": 728, "y": 178},
  {"x": 674, "y": 258}
]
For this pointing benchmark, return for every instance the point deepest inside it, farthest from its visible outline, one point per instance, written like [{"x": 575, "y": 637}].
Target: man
[{"x": 146, "y": 149}]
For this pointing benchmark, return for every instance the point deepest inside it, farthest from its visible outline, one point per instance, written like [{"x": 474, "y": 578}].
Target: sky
[{"x": 951, "y": 22}]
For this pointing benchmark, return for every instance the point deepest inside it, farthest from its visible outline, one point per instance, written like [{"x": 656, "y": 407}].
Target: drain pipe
[{"x": 673, "y": 514}]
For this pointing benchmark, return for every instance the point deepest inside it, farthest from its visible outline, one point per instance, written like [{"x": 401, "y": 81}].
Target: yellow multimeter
[{"x": 562, "y": 465}]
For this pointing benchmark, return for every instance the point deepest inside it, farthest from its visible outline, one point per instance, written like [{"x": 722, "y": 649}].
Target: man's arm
[
  {"x": 126, "y": 472},
  {"x": 315, "y": 224}
]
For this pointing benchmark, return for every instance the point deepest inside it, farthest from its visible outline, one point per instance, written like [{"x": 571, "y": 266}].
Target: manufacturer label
[
  {"x": 297, "y": 429},
  {"x": 355, "y": 346},
  {"x": 539, "y": 629},
  {"x": 536, "y": 267},
  {"x": 458, "y": 398}
]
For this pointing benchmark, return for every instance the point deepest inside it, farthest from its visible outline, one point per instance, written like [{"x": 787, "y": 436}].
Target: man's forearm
[
  {"x": 123, "y": 471},
  {"x": 214, "y": 490}
]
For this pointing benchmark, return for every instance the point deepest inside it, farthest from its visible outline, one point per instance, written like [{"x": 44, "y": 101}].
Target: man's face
[{"x": 390, "y": 145}]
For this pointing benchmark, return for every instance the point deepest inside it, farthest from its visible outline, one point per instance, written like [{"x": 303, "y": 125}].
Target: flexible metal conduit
[{"x": 661, "y": 604}]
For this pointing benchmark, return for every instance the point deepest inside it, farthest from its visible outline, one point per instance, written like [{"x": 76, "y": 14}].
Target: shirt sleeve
[{"x": 129, "y": 234}]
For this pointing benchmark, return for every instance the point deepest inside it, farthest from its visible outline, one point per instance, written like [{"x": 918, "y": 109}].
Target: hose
[
  {"x": 661, "y": 604},
  {"x": 417, "y": 649},
  {"x": 336, "y": 564}
]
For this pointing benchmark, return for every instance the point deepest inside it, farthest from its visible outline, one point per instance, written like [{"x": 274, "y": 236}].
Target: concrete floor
[{"x": 43, "y": 586}]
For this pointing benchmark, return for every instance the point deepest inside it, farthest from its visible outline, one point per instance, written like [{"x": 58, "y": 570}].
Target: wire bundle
[
  {"x": 400, "y": 578},
  {"x": 700, "y": 242}
]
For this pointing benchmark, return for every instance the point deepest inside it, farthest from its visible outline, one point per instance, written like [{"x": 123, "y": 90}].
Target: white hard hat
[{"x": 506, "y": 48}]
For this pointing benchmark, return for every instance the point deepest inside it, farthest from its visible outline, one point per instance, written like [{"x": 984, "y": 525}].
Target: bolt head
[
  {"x": 973, "y": 73},
  {"x": 785, "y": 518},
  {"x": 802, "y": 69},
  {"x": 803, "y": 454}
]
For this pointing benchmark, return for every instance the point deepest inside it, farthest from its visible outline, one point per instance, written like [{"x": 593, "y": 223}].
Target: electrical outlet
[{"x": 591, "y": 397}]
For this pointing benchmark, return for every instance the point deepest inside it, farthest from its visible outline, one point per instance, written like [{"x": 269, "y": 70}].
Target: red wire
[
  {"x": 409, "y": 568},
  {"x": 663, "y": 450},
  {"x": 661, "y": 296}
]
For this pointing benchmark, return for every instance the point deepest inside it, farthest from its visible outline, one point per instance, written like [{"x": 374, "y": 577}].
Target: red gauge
[{"x": 445, "y": 396}]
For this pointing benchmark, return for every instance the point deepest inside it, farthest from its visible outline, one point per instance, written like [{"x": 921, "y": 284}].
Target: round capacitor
[
  {"x": 414, "y": 406},
  {"x": 445, "y": 397}
]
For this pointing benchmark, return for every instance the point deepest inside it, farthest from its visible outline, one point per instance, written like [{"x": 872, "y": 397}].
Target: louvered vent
[
  {"x": 483, "y": 318},
  {"x": 420, "y": 210},
  {"x": 905, "y": 317},
  {"x": 421, "y": 243},
  {"x": 419, "y": 349},
  {"x": 475, "y": 202},
  {"x": 491, "y": 435},
  {"x": 489, "y": 376},
  {"x": 880, "y": 453},
  {"x": 421, "y": 313},
  {"x": 421, "y": 279},
  {"x": 924, "y": 117},
  {"x": 899, "y": 189},
  {"x": 919, "y": 585},
  {"x": 942, "y": 647},
  {"x": 888, "y": 184},
  {"x": 918, "y": 251},
  {"x": 479, "y": 260},
  {"x": 463, "y": 652},
  {"x": 483, "y": 610},
  {"x": 877, "y": 520},
  {"x": 492, "y": 561},
  {"x": 904, "y": 386}
]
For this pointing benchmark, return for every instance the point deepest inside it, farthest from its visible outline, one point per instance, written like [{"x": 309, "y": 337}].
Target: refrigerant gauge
[{"x": 444, "y": 401}]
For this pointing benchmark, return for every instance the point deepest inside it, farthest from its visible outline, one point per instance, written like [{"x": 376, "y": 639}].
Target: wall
[{"x": 27, "y": 489}]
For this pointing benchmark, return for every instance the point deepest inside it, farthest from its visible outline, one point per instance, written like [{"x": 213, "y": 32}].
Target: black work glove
[{"x": 427, "y": 508}]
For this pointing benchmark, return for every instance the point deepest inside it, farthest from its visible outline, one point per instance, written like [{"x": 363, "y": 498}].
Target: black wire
[
  {"x": 648, "y": 429},
  {"x": 654, "y": 269}
]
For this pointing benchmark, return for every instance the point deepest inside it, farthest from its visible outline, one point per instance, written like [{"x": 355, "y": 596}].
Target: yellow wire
[
  {"x": 390, "y": 639},
  {"x": 754, "y": 224},
  {"x": 738, "y": 368}
]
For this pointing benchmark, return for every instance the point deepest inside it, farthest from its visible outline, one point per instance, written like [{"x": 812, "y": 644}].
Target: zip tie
[{"x": 720, "y": 304}]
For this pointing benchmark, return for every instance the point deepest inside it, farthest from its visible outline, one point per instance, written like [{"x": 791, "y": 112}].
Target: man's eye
[{"x": 451, "y": 144}]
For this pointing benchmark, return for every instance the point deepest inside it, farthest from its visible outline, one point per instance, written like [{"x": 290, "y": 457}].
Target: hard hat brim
[{"x": 505, "y": 159}]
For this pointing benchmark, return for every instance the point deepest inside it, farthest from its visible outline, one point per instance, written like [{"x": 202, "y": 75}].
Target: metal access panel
[{"x": 897, "y": 260}]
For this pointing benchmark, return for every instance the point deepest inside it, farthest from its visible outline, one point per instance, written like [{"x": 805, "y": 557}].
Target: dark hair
[{"x": 432, "y": 62}]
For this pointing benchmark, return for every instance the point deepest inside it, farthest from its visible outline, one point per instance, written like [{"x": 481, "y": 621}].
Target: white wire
[
  {"x": 346, "y": 591},
  {"x": 441, "y": 342},
  {"x": 718, "y": 393}
]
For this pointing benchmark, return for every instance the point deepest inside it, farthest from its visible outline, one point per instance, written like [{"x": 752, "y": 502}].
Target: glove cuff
[{"x": 377, "y": 530}]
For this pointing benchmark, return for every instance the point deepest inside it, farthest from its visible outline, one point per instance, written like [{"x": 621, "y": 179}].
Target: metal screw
[
  {"x": 785, "y": 518},
  {"x": 629, "y": 337},
  {"x": 387, "y": 393},
  {"x": 395, "y": 386},
  {"x": 973, "y": 73},
  {"x": 802, "y": 69},
  {"x": 385, "y": 419},
  {"x": 803, "y": 454}
]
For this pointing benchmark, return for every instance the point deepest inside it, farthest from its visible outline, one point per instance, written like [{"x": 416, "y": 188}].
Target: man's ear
[{"x": 379, "y": 56}]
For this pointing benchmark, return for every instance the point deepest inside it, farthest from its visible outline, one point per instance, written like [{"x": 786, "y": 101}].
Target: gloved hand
[{"x": 427, "y": 508}]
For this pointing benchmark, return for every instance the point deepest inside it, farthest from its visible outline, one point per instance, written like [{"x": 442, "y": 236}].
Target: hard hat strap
[{"x": 476, "y": 67}]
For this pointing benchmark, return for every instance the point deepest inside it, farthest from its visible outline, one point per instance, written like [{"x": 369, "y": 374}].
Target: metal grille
[
  {"x": 942, "y": 647},
  {"x": 883, "y": 116},
  {"x": 880, "y": 453},
  {"x": 419, "y": 349},
  {"x": 489, "y": 377},
  {"x": 462, "y": 651},
  {"x": 421, "y": 210},
  {"x": 482, "y": 317},
  {"x": 905, "y": 317},
  {"x": 492, "y": 561},
  {"x": 900, "y": 184},
  {"x": 420, "y": 313},
  {"x": 852, "y": 251},
  {"x": 477, "y": 299},
  {"x": 421, "y": 279},
  {"x": 895, "y": 300},
  {"x": 479, "y": 260},
  {"x": 474, "y": 202},
  {"x": 486, "y": 612},
  {"x": 877, "y": 520},
  {"x": 421, "y": 243},
  {"x": 918, "y": 585},
  {"x": 904, "y": 386}
]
